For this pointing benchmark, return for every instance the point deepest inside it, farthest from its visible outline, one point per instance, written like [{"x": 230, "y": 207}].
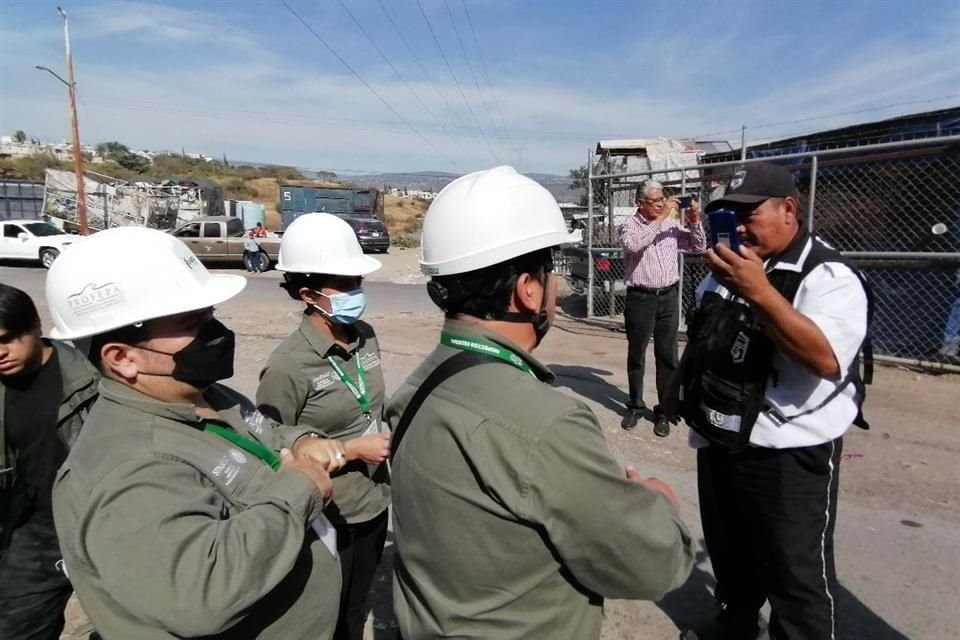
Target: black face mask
[
  {"x": 539, "y": 320},
  {"x": 207, "y": 359}
]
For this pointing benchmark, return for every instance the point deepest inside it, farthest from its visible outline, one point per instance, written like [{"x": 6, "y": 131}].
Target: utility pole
[
  {"x": 743, "y": 142},
  {"x": 75, "y": 127}
]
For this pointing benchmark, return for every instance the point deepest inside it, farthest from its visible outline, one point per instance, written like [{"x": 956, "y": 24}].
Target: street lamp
[
  {"x": 74, "y": 127},
  {"x": 53, "y": 73}
]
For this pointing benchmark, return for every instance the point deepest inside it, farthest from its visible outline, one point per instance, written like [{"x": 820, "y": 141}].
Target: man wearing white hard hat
[
  {"x": 326, "y": 376},
  {"x": 511, "y": 517},
  {"x": 182, "y": 511}
]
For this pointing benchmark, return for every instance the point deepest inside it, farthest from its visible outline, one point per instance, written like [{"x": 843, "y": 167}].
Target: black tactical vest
[{"x": 722, "y": 378}]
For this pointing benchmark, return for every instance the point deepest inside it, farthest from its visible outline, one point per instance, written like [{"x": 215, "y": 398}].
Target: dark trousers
[
  {"x": 647, "y": 314},
  {"x": 768, "y": 519},
  {"x": 360, "y": 547},
  {"x": 33, "y": 590}
]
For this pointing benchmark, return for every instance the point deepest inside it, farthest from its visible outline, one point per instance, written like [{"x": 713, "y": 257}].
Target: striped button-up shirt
[{"x": 650, "y": 249}]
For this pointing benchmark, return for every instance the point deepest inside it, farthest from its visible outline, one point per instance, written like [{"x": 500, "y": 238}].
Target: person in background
[
  {"x": 181, "y": 510},
  {"x": 651, "y": 241},
  {"x": 951, "y": 330},
  {"x": 254, "y": 256},
  {"x": 327, "y": 376},
  {"x": 46, "y": 390},
  {"x": 259, "y": 231}
]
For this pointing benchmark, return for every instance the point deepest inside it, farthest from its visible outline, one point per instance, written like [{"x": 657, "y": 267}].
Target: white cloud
[{"x": 310, "y": 112}]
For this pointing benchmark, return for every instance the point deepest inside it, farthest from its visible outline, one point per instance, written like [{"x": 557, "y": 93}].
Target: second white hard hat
[
  {"x": 488, "y": 217},
  {"x": 126, "y": 275},
  {"x": 323, "y": 243}
]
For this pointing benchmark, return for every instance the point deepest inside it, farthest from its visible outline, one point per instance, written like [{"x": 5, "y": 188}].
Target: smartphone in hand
[
  {"x": 723, "y": 229},
  {"x": 685, "y": 202}
]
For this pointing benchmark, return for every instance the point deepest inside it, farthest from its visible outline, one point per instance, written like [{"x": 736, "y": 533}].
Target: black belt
[{"x": 653, "y": 292}]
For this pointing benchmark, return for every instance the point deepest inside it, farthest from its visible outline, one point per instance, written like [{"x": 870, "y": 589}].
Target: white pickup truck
[{"x": 33, "y": 240}]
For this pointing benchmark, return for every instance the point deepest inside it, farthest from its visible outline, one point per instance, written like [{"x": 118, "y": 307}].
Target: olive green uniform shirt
[
  {"x": 168, "y": 531},
  {"x": 511, "y": 517},
  {"x": 298, "y": 386},
  {"x": 79, "y": 379}
]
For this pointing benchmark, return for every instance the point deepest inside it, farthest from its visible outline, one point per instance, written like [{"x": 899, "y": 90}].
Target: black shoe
[
  {"x": 662, "y": 427},
  {"x": 630, "y": 418}
]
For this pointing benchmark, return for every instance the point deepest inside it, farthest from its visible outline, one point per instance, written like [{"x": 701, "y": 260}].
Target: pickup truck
[
  {"x": 33, "y": 240},
  {"x": 219, "y": 240},
  {"x": 609, "y": 289}
]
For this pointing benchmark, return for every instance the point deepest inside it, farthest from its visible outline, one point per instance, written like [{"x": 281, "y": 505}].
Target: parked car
[
  {"x": 371, "y": 233},
  {"x": 219, "y": 239},
  {"x": 609, "y": 289},
  {"x": 33, "y": 240}
]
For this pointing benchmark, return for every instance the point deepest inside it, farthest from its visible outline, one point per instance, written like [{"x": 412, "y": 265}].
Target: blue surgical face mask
[{"x": 346, "y": 307}]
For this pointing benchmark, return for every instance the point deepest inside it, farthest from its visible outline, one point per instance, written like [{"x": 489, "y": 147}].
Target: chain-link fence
[{"x": 893, "y": 209}]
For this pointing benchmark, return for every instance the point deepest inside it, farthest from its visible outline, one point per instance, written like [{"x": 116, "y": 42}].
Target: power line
[
  {"x": 483, "y": 66},
  {"x": 367, "y": 85},
  {"x": 390, "y": 64},
  {"x": 297, "y": 118},
  {"x": 470, "y": 66},
  {"x": 457, "y": 82},
  {"x": 426, "y": 73}
]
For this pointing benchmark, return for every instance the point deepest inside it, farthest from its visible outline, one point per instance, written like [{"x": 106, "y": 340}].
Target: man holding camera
[
  {"x": 652, "y": 240},
  {"x": 769, "y": 383}
]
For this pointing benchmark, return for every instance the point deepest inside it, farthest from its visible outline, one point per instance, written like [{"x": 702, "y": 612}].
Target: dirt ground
[{"x": 898, "y": 551}]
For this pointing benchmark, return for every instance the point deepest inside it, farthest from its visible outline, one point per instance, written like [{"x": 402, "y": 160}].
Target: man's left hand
[{"x": 742, "y": 273}]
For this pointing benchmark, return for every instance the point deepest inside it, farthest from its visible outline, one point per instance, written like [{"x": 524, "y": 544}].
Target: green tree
[
  {"x": 19, "y": 136},
  {"x": 579, "y": 179},
  {"x": 121, "y": 154}
]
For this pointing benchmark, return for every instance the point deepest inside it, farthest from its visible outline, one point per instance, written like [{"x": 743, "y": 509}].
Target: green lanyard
[
  {"x": 359, "y": 390},
  {"x": 262, "y": 452},
  {"x": 485, "y": 347}
]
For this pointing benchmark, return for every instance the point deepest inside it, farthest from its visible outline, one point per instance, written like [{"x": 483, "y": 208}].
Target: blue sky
[{"x": 541, "y": 81}]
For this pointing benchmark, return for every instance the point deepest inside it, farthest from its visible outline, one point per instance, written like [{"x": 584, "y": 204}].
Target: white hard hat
[
  {"x": 122, "y": 276},
  {"x": 323, "y": 243},
  {"x": 488, "y": 217}
]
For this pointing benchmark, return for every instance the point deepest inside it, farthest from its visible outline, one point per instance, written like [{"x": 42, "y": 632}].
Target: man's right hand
[
  {"x": 633, "y": 475},
  {"x": 319, "y": 476}
]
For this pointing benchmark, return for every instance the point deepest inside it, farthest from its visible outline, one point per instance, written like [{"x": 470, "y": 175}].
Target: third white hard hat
[
  {"x": 323, "y": 243},
  {"x": 488, "y": 217}
]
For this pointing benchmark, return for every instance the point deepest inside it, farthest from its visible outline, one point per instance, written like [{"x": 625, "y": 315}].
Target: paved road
[{"x": 383, "y": 298}]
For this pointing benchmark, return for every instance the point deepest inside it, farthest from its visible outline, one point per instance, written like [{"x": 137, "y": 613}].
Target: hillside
[
  {"x": 434, "y": 181},
  {"x": 404, "y": 218}
]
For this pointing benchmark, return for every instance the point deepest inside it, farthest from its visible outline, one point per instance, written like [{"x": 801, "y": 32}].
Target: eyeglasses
[{"x": 654, "y": 202}]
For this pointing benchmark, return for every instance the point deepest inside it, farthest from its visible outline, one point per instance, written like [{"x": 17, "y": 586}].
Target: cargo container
[
  {"x": 343, "y": 201},
  {"x": 21, "y": 199}
]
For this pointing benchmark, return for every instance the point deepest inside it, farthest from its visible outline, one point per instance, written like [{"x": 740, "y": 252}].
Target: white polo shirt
[{"x": 832, "y": 296}]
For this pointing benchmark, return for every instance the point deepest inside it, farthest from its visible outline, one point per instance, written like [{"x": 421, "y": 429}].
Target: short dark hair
[
  {"x": 485, "y": 293},
  {"x": 293, "y": 282},
  {"x": 18, "y": 313},
  {"x": 131, "y": 335}
]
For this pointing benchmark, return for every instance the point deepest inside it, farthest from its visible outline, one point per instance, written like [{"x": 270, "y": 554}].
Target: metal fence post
[
  {"x": 590, "y": 275},
  {"x": 611, "y": 282},
  {"x": 812, "y": 196}
]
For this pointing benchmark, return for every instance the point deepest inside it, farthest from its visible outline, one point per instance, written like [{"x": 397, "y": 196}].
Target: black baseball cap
[{"x": 755, "y": 183}]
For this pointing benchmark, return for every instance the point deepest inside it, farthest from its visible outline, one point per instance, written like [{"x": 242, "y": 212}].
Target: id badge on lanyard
[{"x": 372, "y": 429}]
